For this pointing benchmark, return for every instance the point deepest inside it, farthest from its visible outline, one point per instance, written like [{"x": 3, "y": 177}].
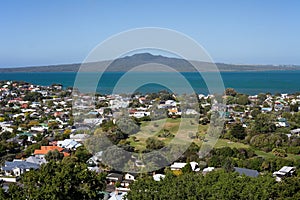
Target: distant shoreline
[{"x": 128, "y": 63}]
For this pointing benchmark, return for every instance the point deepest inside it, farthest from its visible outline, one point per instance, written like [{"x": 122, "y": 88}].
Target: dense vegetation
[
  {"x": 66, "y": 179},
  {"x": 215, "y": 185}
]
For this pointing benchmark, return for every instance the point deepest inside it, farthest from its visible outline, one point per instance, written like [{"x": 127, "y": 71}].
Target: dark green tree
[
  {"x": 60, "y": 180},
  {"x": 237, "y": 131}
]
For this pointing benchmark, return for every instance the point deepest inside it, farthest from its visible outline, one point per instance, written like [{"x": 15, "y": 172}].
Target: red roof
[{"x": 45, "y": 149}]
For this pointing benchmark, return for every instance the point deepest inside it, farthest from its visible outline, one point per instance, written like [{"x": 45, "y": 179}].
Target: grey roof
[
  {"x": 36, "y": 160},
  {"x": 286, "y": 169},
  {"x": 119, "y": 177},
  {"x": 19, "y": 164},
  {"x": 247, "y": 172}
]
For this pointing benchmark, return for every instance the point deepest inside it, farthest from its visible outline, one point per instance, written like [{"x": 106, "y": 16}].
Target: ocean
[{"x": 243, "y": 82}]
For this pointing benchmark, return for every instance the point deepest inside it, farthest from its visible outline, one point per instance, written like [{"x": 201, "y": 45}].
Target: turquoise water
[{"x": 244, "y": 82}]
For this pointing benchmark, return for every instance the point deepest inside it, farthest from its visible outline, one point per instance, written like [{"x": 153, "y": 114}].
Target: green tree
[
  {"x": 242, "y": 99},
  {"x": 61, "y": 180},
  {"x": 82, "y": 154},
  {"x": 54, "y": 155},
  {"x": 187, "y": 168},
  {"x": 214, "y": 185},
  {"x": 154, "y": 144},
  {"x": 237, "y": 131},
  {"x": 264, "y": 123}
]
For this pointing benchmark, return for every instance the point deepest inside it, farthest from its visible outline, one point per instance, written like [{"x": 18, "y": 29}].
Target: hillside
[{"x": 128, "y": 62}]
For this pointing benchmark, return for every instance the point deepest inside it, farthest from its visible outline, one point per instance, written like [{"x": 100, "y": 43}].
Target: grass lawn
[
  {"x": 155, "y": 128},
  {"x": 227, "y": 143},
  {"x": 159, "y": 127}
]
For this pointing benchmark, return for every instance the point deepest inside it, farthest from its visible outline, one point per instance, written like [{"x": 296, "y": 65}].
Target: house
[
  {"x": 95, "y": 169},
  {"x": 282, "y": 123},
  {"x": 247, "y": 172},
  {"x": 130, "y": 176},
  {"x": 45, "y": 149},
  {"x": 113, "y": 178},
  {"x": 118, "y": 103},
  {"x": 207, "y": 169},
  {"x": 191, "y": 112},
  {"x": 116, "y": 195},
  {"x": 158, "y": 177},
  {"x": 295, "y": 131},
  {"x": 170, "y": 103},
  {"x": 39, "y": 128},
  {"x": 68, "y": 144},
  {"x": 95, "y": 159},
  {"x": 179, "y": 166},
  {"x": 18, "y": 167},
  {"x": 285, "y": 171},
  {"x": 36, "y": 160},
  {"x": 140, "y": 114},
  {"x": 15, "y": 140},
  {"x": 128, "y": 179},
  {"x": 174, "y": 111},
  {"x": 266, "y": 109},
  {"x": 28, "y": 135},
  {"x": 93, "y": 121}
]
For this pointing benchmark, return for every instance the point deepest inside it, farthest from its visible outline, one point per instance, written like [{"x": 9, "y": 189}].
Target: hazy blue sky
[{"x": 35, "y": 32}]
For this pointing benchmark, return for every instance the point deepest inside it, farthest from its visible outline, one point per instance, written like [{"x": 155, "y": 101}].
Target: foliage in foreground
[
  {"x": 215, "y": 185},
  {"x": 67, "y": 179}
]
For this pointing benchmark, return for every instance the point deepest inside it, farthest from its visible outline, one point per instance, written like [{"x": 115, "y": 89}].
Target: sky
[{"x": 35, "y": 32}]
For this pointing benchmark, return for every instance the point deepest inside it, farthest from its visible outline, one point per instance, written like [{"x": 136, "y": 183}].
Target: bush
[{"x": 279, "y": 152}]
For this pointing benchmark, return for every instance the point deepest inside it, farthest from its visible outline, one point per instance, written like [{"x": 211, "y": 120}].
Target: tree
[
  {"x": 230, "y": 100},
  {"x": 255, "y": 112},
  {"x": 228, "y": 165},
  {"x": 294, "y": 107},
  {"x": 154, "y": 144},
  {"x": 261, "y": 97},
  {"x": 3, "y": 195},
  {"x": 279, "y": 152},
  {"x": 264, "y": 123},
  {"x": 115, "y": 157},
  {"x": 242, "y": 99},
  {"x": 59, "y": 180},
  {"x": 127, "y": 125},
  {"x": 82, "y": 154},
  {"x": 6, "y": 135},
  {"x": 214, "y": 185},
  {"x": 32, "y": 96},
  {"x": 187, "y": 168},
  {"x": 30, "y": 149},
  {"x": 237, "y": 131},
  {"x": 54, "y": 155},
  {"x": 191, "y": 154},
  {"x": 230, "y": 92}
]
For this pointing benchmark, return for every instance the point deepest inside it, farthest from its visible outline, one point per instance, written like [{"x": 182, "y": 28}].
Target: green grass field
[
  {"x": 164, "y": 127},
  {"x": 158, "y": 127}
]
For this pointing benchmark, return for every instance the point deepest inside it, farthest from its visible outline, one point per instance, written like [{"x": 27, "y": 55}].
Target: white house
[
  {"x": 158, "y": 177},
  {"x": 129, "y": 176},
  {"x": 68, "y": 144},
  {"x": 295, "y": 131},
  {"x": 140, "y": 114},
  {"x": 18, "y": 167},
  {"x": 179, "y": 166},
  {"x": 208, "y": 169},
  {"x": 285, "y": 171}
]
